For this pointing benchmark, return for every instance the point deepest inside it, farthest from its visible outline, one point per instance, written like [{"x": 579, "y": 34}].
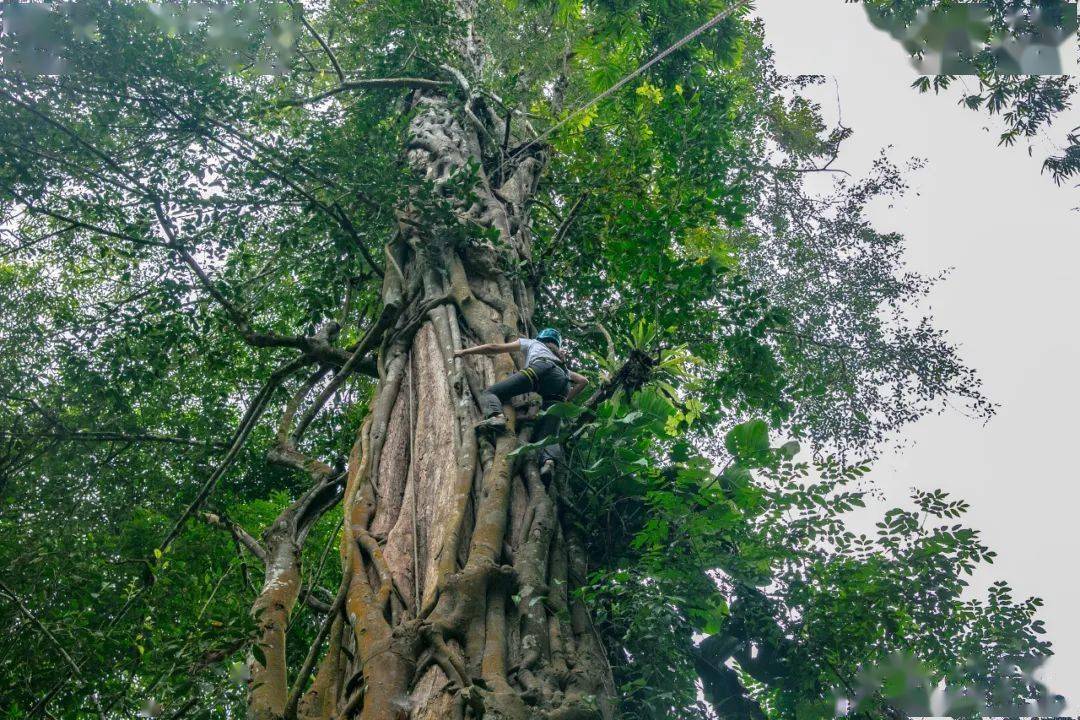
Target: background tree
[
  {"x": 233, "y": 303},
  {"x": 1026, "y": 104}
]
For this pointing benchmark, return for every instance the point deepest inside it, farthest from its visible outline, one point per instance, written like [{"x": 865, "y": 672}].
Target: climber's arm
[
  {"x": 489, "y": 349},
  {"x": 577, "y": 384}
]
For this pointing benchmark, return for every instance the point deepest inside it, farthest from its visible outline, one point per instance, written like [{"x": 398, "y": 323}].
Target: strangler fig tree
[{"x": 240, "y": 254}]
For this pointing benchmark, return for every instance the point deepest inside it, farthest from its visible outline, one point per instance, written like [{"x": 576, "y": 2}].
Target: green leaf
[
  {"x": 564, "y": 410},
  {"x": 748, "y": 441}
]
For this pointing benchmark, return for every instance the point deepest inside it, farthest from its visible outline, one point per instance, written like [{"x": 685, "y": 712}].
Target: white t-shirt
[{"x": 534, "y": 350}]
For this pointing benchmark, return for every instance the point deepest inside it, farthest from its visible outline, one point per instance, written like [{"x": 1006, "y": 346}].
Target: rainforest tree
[{"x": 236, "y": 268}]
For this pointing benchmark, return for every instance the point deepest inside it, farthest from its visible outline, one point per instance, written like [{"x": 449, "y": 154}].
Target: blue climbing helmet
[{"x": 551, "y": 335}]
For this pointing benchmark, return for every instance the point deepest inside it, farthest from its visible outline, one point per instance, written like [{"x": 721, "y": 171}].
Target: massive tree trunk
[
  {"x": 458, "y": 570},
  {"x": 458, "y": 567}
]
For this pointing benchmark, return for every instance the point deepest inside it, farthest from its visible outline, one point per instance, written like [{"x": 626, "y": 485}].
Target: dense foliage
[{"x": 171, "y": 224}]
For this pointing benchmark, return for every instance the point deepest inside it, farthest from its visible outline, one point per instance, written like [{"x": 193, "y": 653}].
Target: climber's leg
[
  {"x": 553, "y": 383},
  {"x": 494, "y": 397},
  {"x": 548, "y": 426}
]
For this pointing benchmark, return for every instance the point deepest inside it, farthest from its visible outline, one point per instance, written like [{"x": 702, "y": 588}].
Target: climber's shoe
[{"x": 495, "y": 423}]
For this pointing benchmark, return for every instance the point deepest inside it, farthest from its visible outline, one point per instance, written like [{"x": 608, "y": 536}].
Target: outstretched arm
[
  {"x": 577, "y": 384},
  {"x": 489, "y": 349}
]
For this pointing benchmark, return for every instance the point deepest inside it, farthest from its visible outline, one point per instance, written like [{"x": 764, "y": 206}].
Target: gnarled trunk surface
[{"x": 457, "y": 569}]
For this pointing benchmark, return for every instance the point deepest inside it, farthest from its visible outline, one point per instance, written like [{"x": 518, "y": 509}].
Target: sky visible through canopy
[{"x": 1010, "y": 302}]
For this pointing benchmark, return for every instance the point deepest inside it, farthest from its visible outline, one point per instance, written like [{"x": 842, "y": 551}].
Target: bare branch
[
  {"x": 779, "y": 170},
  {"x": 288, "y": 417},
  {"x": 100, "y": 436},
  {"x": 242, "y": 536},
  {"x": 564, "y": 227},
  {"x": 255, "y": 548},
  {"x": 247, "y": 424}
]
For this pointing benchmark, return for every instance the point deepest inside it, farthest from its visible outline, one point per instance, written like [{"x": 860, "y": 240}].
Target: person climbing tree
[{"x": 545, "y": 373}]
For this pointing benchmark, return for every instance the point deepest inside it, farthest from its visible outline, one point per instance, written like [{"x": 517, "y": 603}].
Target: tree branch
[
  {"x": 40, "y": 626},
  {"x": 346, "y": 223},
  {"x": 347, "y": 85},
  {"x": 29, "y": 205},
  {"x": 170, "y": 232},
  {"x": 371, "y": 337},
  {"x": 318, "y": 38},
  {"x": 101, "y": 436},
  {"x": 255, "y": 548},
  {"x": 52, "y": 638},
  {"x": 781, "y": 170},
  {"x": 564, "y": 227},
  {"x": 288, "y": 417},
  {"x": 599, "y": 328},
  {"x": 104, "y": 157},
  {"x": 720, "y": 684},
  {"x": 242, "y": 536}
]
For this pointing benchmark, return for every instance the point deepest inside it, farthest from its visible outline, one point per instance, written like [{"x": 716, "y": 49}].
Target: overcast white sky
[{"x": 1011, "y": 303}]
